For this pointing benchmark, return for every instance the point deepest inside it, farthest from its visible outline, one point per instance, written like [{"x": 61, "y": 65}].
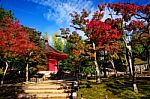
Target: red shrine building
[{"x": 53, "y": 56}]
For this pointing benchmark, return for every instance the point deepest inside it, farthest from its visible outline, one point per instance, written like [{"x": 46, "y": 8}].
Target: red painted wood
[{"x": 53, "y": 65}]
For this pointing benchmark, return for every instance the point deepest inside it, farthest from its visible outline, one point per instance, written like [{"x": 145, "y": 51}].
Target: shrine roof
[{"x": 50, "y": 51}]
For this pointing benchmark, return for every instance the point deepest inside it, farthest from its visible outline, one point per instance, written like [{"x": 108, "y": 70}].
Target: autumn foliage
[
  {"x": 129, "y": 10},
  {"x": 105, "y": 34},
  {"x": 13, "y": 38}
]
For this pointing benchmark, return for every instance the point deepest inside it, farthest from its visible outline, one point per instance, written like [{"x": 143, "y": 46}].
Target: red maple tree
[
  {"x": 104, "y": 34},
  {"x": 13, "y": 39},
  {"x": 140, "y": 26}
]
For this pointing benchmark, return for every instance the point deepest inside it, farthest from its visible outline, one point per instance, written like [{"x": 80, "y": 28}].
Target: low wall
[{"x": 140, "y": 68}]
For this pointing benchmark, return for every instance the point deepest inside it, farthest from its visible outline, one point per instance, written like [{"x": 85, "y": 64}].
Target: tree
[
  {"x": 58, "y": 42},
  {"x": 6, "y": 13},
  {"x": 37, "y": 57},
  {"x": 102, "y": 35},
  {"x": 13, "y": 41},
  {"x": 139, "y": 28},
  {"x": 74, "y": 48}
]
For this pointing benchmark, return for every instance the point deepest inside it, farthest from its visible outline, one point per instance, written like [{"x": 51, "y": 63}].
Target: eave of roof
[{"x": 51, "y": 51}]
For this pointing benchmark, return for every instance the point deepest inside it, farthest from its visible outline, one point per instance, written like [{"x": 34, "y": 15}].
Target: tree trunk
[
  {"x": 27, "y": 67},
  {"x": 104, "y": 66},
  {"x": 27, "y": 72},
  {"x": 148, "y": 59},
  {"x": 2, "y": 81},
  {"x": 126, "y": 63},
  {"x": 104, "y": 70},
  {"x": 115, "y": 71},
  {"x": 128, "y": 57},
  {"x": 98, "y": 80},
  {"x": 148, "y": 53},
  {"x": 130, "y": 60},
  {"x": 135, "y": 89}
]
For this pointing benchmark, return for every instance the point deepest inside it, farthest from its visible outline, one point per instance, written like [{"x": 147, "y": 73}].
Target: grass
[{"x": 113, "y": 88}]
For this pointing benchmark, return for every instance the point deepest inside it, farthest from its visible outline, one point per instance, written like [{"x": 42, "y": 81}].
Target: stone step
[
  {"x": 52, "y": 86},
  {"x": 43, "y": 84},
  {"x": 45, "y": 91},
  {"x": 50, "y": 95},
  {"x": 46, "y": 84},
  {"x": 41, "y": 87},
  {"x": 44, "y": 87},
  {"x": 52, "y": 89},
  {"x": 53, "y": 82}
]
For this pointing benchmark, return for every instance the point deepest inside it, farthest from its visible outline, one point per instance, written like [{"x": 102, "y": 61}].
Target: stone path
[{"x": 52, "y": 89}]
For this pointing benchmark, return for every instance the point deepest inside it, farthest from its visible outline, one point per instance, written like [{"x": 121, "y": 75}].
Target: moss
[{"x": 114, "y": 88}]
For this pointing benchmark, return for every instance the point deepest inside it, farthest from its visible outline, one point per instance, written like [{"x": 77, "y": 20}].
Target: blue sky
[{"x": 50, "y": 15}]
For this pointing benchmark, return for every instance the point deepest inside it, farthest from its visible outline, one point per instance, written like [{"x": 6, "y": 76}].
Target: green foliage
[
  {"x": 1, "y": 71},
  {"x": 66, "y": 65},
  {"x": 138, "y": 49},
  {"x": 75, "y": 47},
  {"x": 89, "y": 70},
  {"x": 6, "y": 13},
  {"x": 58, "y": 43}
]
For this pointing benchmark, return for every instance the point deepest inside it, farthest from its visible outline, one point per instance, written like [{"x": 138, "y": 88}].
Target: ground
[
  {"x": 110, "y": 88},
  {"x": 114, "y": 88}
]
